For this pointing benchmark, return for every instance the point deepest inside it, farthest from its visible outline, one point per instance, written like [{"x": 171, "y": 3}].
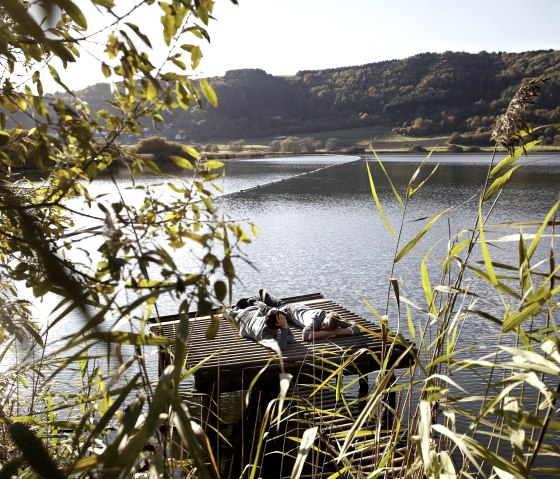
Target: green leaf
[
  {"x": 11, "y": 469},
  {"x": 306, "y": 444},
  {"x": 395, "y": 192},
  {"x": 56, "y": 77},
  {"x": 178, "y": 63},
  {"x": 410, "y": 188},
  {"x": 191, "y": 151},
  {"x": 123, "y": 337},
  {"x": 377, "y": 204},
  {"x": 220, "y": 289},
  {"x": 105, "y": 3},
  {"x": 403, "y": 252},
  {"x": 213, "y": 165},
  {"x": 508, "y": 160},
  {"x": 459, "y": 247},
  {"x": 34, "y": 451},
  {"x": 229, "y": 270},
  {"x": 196, "y": 56},
  {"x": 545, "y": 223},
  {"x": 152, "y": 91},
  {"x": 182, "y": 162},
  {"x": 513, "y": 320},
  {"x": 136, "y": 30},
  {"x": 152, "y": 166},
  {"x": 499, "y": 183},
  {"x": 21, "y": 17},
  {"x": 485, "y": 254},
  {"x": 413, "y": 190},
  {"x": 109, "y": 415},
  {"x": 4, "y": 138},
  {"x": 209, "y": 92},
  {"x": 196, "y": 442},
  {"x": 213, "y": 328},
  {"x": 500, "y": 286},
  {"x": 168, "y": 22},
  {"x": 73, "y": 12},
  {"x": 427, "y": 287}
]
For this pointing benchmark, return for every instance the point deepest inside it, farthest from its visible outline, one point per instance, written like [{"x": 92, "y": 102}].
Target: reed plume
[{"x": 511, "y": 127}]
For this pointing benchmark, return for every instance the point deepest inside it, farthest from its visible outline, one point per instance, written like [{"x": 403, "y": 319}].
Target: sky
[{"x": 283, "y": 37}]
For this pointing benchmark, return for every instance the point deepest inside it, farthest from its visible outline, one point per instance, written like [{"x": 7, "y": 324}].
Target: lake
[{"x": 320, "y": 230}]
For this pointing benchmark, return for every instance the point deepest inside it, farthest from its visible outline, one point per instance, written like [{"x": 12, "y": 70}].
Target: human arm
[
  {"x": 282, "y": 334},
  {"x": 347, "y": 329},
  {"x": 309, "y": 335},
  {"x": 284, "y": 337}
]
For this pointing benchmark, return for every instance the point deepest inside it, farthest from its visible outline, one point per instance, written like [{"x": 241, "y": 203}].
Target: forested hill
[{"x": 425, "y": 94}]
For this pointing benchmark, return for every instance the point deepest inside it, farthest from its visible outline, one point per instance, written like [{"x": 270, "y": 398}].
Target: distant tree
[
  {"x": 463, "y": 86},
  {"x": 331, "y": 144},
  {"x": 162, "y": 150},
  {"x": 236, "y": 146},
  {"x": 306, "y": 145},
  {"x": 455, "y": 138},
  {"x": 289, "y": 145},
  {"x": 354, "y": 150},
  {"x": 274, "y": 146}
]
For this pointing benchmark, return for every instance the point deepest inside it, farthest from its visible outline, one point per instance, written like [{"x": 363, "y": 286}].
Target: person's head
[
  {"x": 243, "y": 303},
  {"x": 271, "y": 318},
  {"x": 332, "y": 321}
]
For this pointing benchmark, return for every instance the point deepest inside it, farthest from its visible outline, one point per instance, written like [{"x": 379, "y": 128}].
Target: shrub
[
  {"x": 160, "y": 149},
  {"x": 455, "y": 149}
]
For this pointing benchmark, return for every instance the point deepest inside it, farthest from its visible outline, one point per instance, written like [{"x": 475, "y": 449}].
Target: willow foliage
[{"x": 104, "y": 258}]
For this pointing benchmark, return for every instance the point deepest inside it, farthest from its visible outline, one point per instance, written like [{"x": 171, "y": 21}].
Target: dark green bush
[{"x": 160, "y": 149}]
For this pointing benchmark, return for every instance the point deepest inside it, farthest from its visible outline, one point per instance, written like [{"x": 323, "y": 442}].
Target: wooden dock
[{"x": 233, "y": 363}]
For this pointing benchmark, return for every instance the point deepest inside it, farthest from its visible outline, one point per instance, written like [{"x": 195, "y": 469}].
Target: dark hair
[
  {"x": 271, "y": 318},
  {"x": 243, "y": 303}
]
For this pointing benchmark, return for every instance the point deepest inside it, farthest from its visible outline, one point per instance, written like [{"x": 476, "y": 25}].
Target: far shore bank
[{"x": 257, "y": 155}]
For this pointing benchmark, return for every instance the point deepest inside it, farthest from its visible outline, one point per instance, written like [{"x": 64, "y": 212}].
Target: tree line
[{"x": 426, "y": 94}]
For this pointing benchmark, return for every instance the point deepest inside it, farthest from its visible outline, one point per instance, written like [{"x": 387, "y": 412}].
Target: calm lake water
[{"x": 320, "y": 230}]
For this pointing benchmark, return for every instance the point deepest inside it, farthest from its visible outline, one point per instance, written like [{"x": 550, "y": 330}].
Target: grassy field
[{"x": 381, "y": 139}]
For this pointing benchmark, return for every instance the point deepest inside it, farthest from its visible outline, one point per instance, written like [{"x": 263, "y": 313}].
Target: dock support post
[{"x": 364, "y": 386}]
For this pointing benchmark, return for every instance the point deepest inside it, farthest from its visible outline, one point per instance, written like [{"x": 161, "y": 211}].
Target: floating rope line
[
  {"x": 299, "y": 175},
  {"x": 96, "y": 229}
]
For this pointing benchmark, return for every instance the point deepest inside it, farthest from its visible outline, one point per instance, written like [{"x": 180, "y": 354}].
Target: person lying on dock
[
  {"x": 262, "y": 297},
  {"x": 259, "y": 322},
  {"x": 317, "y": 323}
]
